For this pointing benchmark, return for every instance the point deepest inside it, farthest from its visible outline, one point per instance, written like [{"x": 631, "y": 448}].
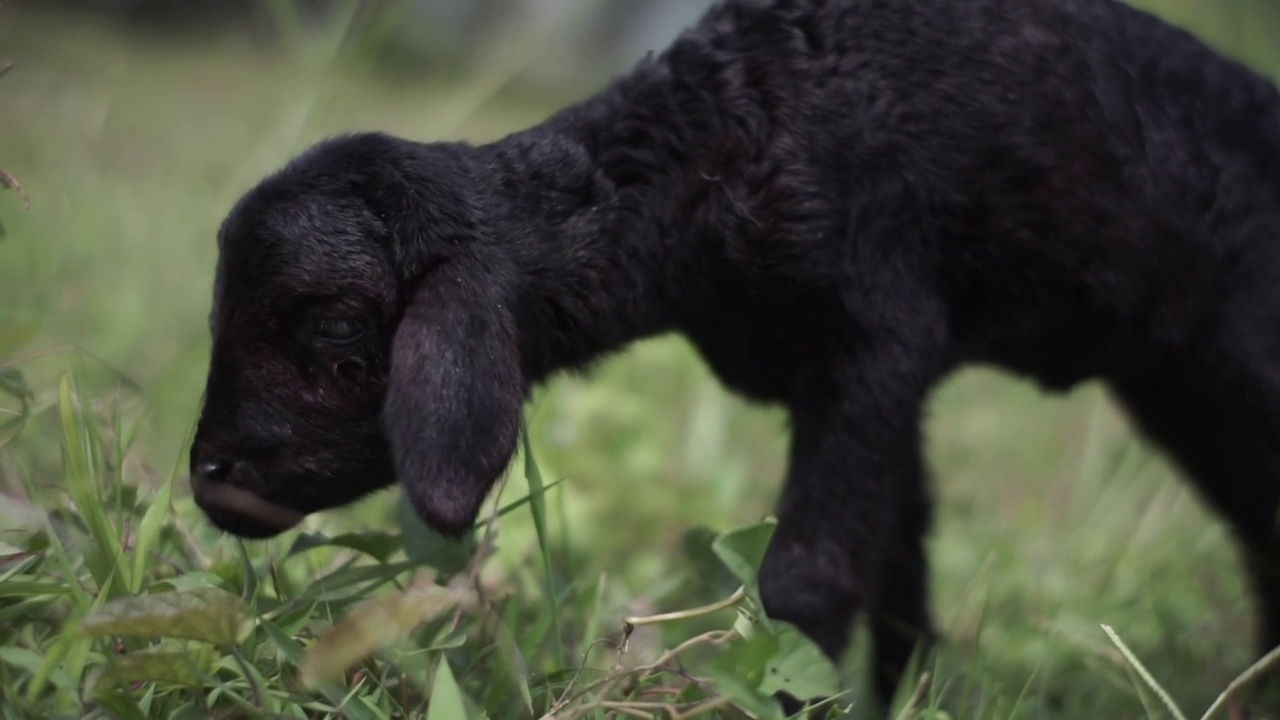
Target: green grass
[{"x": 1053, "y": 518}]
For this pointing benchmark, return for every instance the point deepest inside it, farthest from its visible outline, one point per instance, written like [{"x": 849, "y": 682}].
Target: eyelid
[
  {"x": 307, "y": 311},
  {"x": 354, "y": 323}
]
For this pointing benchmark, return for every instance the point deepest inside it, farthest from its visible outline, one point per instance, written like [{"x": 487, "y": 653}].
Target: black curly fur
[{"x": 838, "y": 202}]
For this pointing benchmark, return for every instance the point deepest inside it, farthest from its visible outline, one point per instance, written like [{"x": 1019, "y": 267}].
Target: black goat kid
[{"x": 838, "y": 202}]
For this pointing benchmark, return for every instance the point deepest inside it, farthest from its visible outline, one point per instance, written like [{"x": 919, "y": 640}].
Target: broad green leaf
[
  {"x": 428, "y": 547},
  {"x": 742, "y": 551},
  {"x": 375, "y": 624},
  {"x": 748, "y": 624},
  {"x": 799, "y": 667},
  {"x": 760, "y": 705},
  {"x": 179, "y": 667},
  {"x": 204, "y": 613},
  {"x": 446, "y": 698},
  {"x": 704, "y": 563},
  {"x": 750, "y": 657}
]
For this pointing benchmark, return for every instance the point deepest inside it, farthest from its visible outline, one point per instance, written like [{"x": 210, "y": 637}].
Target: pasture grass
[{"x": 645, "y": 492}]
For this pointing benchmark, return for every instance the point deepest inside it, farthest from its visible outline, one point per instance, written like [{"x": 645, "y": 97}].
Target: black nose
[{"x": 212, "y": 470}]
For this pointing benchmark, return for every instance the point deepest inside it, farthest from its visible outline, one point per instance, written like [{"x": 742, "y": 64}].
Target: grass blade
[
  {"x": 153, "y": 520},
  {"x": 538, "y": 508},
  {"x": 1144, "y": 674},
  {"x": 80, "y": 466},
  {"x": 446, "y": 696}
]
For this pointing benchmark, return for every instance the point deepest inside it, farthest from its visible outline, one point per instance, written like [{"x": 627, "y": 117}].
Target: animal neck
[{"x": 617, "y": 216}]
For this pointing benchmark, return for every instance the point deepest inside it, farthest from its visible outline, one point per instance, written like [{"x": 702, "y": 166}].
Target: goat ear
[{"x": 452, "y": 412}]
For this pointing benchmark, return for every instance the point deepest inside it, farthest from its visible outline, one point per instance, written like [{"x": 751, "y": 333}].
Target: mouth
[{"x": 242, "y": 512}]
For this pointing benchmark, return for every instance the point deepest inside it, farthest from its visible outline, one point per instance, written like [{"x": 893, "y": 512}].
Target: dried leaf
[
  {"x": 374, "y": 625},
  {"x": 178, "y": 667},
  {"x": 203, "y": 613},
  {"x": 12, "y": 183}
]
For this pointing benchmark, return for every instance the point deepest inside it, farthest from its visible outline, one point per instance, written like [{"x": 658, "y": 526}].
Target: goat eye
[{"x": 338, "y": 330}]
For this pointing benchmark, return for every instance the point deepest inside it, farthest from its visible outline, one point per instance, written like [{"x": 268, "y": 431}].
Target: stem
[
  {"x": 734, "y": 599},
  {"x": 248, "y": 675}
]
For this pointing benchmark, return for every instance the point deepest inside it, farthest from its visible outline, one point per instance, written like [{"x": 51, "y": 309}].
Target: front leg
[{"x": 854, "y": 509}]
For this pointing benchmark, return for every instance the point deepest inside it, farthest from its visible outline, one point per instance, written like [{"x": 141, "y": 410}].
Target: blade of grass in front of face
[
  {"x": 154, "y": 517},
  {"x": 351, "y": 584},
  {"x": 103, "y": 552},
  {"x": 517, "y": 504},
  {"x": 538, "y": 509},
  {"x": 249, "y": 590}
]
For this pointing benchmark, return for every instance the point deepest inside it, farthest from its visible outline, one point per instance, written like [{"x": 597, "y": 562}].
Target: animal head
[{"x": 362, "y": 335}]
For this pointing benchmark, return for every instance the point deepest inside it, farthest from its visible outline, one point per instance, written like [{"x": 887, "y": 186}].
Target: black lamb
[{"x": 838, "y": 202}]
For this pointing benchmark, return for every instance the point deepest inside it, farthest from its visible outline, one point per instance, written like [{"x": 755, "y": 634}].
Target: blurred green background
[{"x": 134, "y": 124}]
